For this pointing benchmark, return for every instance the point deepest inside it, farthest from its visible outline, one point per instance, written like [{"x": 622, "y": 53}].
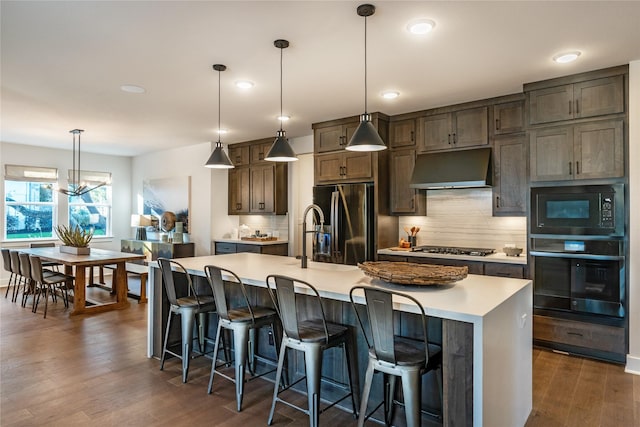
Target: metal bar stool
[
  {"x": 48, "y": 280},
  {"x": 192, "y": 308},
  {"x": 395, "y": 356},
  {"x": 312, "y": 337},
  {"x": 243, "y": 320}
]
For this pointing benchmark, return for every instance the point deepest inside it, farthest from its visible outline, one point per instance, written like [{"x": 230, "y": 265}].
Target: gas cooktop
[{"x": 451, "y": 250}]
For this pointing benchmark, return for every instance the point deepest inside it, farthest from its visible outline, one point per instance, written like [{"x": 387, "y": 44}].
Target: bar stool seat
[
  {"x": 243, "y": 319},
  {"x": 311, "y": 336},
  {"x": 192, "y": 309}
]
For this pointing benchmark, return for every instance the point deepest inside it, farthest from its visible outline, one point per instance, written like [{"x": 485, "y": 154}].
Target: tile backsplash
[
  {"x": 277, "y": 225},
  {"x": 463, "y": 217}
]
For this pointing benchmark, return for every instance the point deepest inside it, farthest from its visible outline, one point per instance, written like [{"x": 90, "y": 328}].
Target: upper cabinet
[
  {"x": 508, "y": 118},
  {"x": 343, "y": 166},
  {"x": 510, "y": 175},
  {"x": 256, "y": 186},
  {"x": 590, "y": 98},
  {"x": 405, "y": 200},
  {"x": 402, "y": 133},
  {"x": 457, "y": 129},
  {"x": 583, "y": 151},
  {"x": 332, "y": 138}
]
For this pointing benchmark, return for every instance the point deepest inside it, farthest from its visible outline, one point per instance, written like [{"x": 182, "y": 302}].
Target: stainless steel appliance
[
  {"x": 579, "y": 275},
  {"x": 452, "y": 250},
  {"x": 578, "y": 210},
  {"x": 347, "y": 236}
]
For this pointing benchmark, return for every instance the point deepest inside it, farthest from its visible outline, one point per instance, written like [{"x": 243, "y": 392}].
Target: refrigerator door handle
[{"x": 334, "y": 225}]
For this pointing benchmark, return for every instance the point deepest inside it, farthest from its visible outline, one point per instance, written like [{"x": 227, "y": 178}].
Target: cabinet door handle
[
  {"x": 261, "y": 156},
  {"x": 570, "y": 170},
  {"x": 497, "y": 124},
  {"x": 577, "y": 334},
  {"x": 413, "y": 203},
  {"x": 577, "y": 107},
  {"x": 577, "y": 168},
  {"x": 238, "y": 206},
  {"x": 342, "y": 139},
  {"x": 570, "y": 105},
  {"x": 497, "y": 201},
  {"x": 449, "y": 138},
  {"x": 454, "y": 138},
  {"x": 413, "y": 137}
]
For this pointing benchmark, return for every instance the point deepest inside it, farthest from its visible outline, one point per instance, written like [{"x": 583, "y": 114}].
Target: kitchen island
[{"x": 486, "y": 329}]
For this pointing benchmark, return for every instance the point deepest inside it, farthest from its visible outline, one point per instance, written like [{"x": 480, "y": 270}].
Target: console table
[{"x": 153, "y": 249}]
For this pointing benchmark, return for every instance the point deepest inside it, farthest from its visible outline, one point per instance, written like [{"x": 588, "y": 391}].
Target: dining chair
[
  {"x": 237, "y": 314},
  {"x": 13, "y": 276},
  {"x": 310, "y": 335},
  {"x": 46, "y": 264},
  {"x": 394, "y": 355},
  {"x": 48, "y": 281},
  {"x": 192, "y": 308},
  {"x": 18, "y": 280}
]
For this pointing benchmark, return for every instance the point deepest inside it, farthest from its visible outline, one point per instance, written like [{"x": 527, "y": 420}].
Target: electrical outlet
[{"x": 271, "y": 338}]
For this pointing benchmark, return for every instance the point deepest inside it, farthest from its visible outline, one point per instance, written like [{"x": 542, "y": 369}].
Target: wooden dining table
[{"x": 97, "y": 257}]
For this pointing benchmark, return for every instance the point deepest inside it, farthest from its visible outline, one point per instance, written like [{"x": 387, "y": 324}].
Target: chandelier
[{"x": 78, "y": 187}]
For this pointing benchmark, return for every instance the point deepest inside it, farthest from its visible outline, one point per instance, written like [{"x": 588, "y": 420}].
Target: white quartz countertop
[
  {"x": 253, "y": 242},
  {"x": 496, "y": 257},
  {"x": 468, "y": 300}
]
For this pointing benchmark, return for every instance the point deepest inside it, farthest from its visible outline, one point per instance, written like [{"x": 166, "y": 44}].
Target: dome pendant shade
[
  {"x": 281, "y": 151},
  {"x": 366, "y": 137},
  {"x": 219, "y": 159}
]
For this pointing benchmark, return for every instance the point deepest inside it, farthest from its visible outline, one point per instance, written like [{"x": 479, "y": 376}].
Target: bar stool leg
[
  {"x": 276, "y": 385},
  {"x": 240, "y": 343},
  {"x": 390, "y": 382},
  {"x": 411, "y": 394},
  {"x": 368, "y": 379},
  {"x": 166, "y": 339},
  {"x": 187, "y": 320},
  {"x": 313, "y": 366},
  {"x": 354, "y": 383},
  {"x": 215, "y": 356}
]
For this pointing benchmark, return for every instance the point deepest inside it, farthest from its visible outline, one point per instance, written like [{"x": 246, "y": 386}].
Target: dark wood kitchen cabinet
[
  {"x": 239, "y": 154},
  {"x": 584, "y": 151},
  {"x": 261, "y": 187},
  {"x": 221, "y": 248},
  {"x": 332, "y": 138},
  {"x": 458, "y": 129},
  {"x": 402, "y": 133},
  {"x": 404, "y": 200},
  {"x": 343, "y": 166},
  {"x": 508, "y": 117},
  {"x": 239, "y": 190},
  {"x": 510, "y": 175},
  {"x": 590, "y": 98}
]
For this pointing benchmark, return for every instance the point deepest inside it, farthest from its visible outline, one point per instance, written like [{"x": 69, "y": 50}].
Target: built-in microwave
[{"x": 578, "y": 210}]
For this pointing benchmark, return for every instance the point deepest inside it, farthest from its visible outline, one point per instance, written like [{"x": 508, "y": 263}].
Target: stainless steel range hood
[{"x": 453, "y": 169}]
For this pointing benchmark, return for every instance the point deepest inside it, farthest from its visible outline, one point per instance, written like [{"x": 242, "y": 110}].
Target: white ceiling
[{"x": 63, "y": 63}]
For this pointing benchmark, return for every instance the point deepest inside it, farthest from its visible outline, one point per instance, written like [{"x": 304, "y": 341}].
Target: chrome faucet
[{"x": 304, "y": 230}]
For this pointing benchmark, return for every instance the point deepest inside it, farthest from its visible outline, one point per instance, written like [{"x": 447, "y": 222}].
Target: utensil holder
[{"x": 412, "y": 241}]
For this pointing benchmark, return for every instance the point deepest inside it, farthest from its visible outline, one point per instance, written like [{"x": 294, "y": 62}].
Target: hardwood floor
[{"x": 78, "y": 370}]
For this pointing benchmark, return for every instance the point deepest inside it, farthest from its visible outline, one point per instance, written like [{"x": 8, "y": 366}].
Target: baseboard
[{"x": 633, "y": 365}]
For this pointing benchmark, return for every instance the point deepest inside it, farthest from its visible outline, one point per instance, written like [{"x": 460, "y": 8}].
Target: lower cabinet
[
  {"x": 221, "y": 248},
  {"x": 590, "y": 336}
]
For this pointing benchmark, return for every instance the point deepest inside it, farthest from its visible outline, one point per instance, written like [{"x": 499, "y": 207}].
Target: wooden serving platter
[{"x": 410, "y": 273}]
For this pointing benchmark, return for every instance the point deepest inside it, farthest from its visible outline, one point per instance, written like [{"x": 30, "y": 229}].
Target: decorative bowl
[{"x": 512, "y": 251}]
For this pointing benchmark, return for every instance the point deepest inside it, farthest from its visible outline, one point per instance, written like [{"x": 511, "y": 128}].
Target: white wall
[
  {"x": 119, "y": 166},
  {"x": 633, "y": 288}
]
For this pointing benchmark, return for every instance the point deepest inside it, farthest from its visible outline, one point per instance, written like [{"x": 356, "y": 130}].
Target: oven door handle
[{"x": 577, "y": 256}]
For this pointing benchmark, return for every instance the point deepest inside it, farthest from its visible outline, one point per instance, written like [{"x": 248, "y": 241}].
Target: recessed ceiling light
[
  {"x": 563, "y": 58},
  {"x": 390, "y": 94},
  {"x": 132, "y": 89},
  {"x": 244, "y": 84},
  {"x": 283, "y": 118},
  {"x": 222, "y": 131},
  {"x": 421, "y": 26}
]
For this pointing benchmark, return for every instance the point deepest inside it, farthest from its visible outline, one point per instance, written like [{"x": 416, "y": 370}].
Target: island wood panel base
[{"x": 457, "y": 366}]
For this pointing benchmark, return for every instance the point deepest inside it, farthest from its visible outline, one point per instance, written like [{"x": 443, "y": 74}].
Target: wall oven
[
  {"x": 596, "y": 210},
  {"x": 579, "y": 275}
]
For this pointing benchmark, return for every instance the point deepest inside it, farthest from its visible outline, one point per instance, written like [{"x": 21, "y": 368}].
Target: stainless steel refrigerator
[{"x": 347, "y": 236}]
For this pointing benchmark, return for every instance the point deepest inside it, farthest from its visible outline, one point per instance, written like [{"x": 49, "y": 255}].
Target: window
[
  {"x": 30, "y": 202},
  {"x": 92, "y": 210}
]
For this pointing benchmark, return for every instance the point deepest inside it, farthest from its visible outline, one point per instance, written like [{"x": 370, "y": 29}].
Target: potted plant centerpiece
[{"x": 75, "y": 240}]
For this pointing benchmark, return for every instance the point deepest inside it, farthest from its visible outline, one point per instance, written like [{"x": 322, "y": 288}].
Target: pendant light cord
[
  {"x": 365, "y": 65},
  {"x": 280, "y": 89},
  {"x": 219, "y": 96}
]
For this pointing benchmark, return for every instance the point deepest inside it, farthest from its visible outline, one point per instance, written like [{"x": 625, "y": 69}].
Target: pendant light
[
  {"x": 77, "y": 187},
  {"x": 366, "y": 137},
  {"x": 219, "y": 159},
  {"x": 281, "y": 151}
]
